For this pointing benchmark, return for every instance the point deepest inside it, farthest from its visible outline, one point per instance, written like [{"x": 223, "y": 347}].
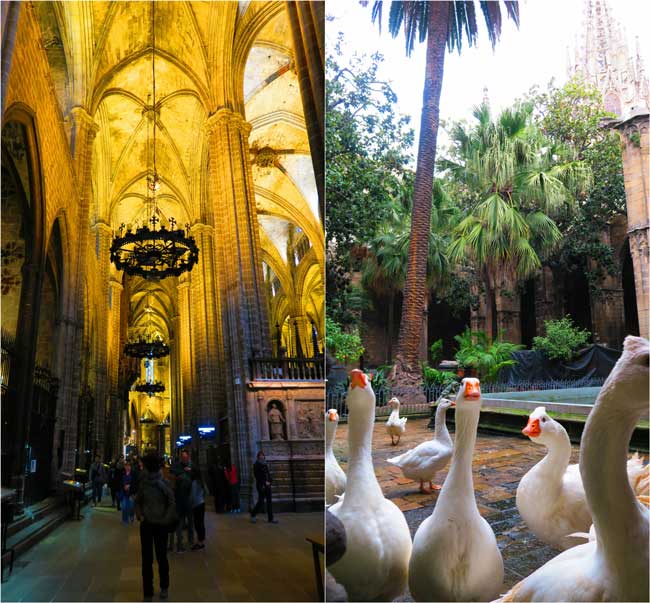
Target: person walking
[
  {"x": 98, "y": 479},
  {"x": 183, "y": 491},
  {"x": 127, "y": 490},
  {"x": 198, "y": 507},
  {"x": 119, "y": 472},
  {"x": 155, "y": 507},
  {"x": 170, "y": 478},
  {"x": 233, "y": 481},
  {"x": 263, "y": 485}
]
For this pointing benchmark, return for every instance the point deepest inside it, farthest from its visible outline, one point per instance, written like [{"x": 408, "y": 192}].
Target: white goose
[
  {"x": 455, "y": 554},
  {"x": 550, "y": 497},
  {"x": 395, "y": 426},
  {"x": 375, "y": 564},
  {"x": 615, "y": 566},
  {"x": 426, "y": 459},
  {"x": 334, "y": 476}
]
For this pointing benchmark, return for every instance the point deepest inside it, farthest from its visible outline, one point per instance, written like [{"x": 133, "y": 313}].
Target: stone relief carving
[{"x": 309, "y": 420}]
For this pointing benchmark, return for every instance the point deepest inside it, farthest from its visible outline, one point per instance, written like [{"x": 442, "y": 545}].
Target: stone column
[
  {"x": 175, "y": 380},
  {"x": 241, "y": 280},
  {"x": 83, "y": 132},
  {"x": 114, "y": 355},
  {"x": 184, "y": 343},
  {"x": 508, "y": 308},
  {"x": 104, "y": 235},
  {"x": 207, "y": 342},
  {"x": 636, "y": 168},
  {"x": 307, "y": 25}
]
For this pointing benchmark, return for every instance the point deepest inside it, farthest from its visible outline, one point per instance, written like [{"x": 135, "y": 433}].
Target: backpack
[{"x": 171, "y": 515}]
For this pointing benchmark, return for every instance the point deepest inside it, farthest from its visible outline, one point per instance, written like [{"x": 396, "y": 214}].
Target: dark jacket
[
  {"x": 155, "y": 500},
  {"x": 97, "y": 473},
  {"x": 128, "y": 479},
  {"x": 262, "y": 474},
  {"x": 183, "y": 488}
]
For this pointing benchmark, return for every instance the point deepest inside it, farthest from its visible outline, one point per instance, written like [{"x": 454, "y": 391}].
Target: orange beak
[
  {"x": 453, "y": 403},
  {"x": 472, "y": 389},
  {"x": 331, "y": 416},
  {"x": 358, "y": 379},
  {"x": 532, "y": 430}
]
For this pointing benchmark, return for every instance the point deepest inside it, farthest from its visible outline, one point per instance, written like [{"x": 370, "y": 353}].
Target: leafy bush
[
  {"x": 435, "y": 349},
  {"x": 563, "y": 339},
  {"x": 433, "y": 376},
  {"x": 346, "y": 347},
  {"x": 380, "y": 377},
  {"x": 486, "y": 357}
]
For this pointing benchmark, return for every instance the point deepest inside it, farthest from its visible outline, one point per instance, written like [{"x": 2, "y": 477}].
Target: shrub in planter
[
  {"x": 482, "y": 357},
  {"x": 345, "y": 346},
  {"x": 563, "y": 339}
]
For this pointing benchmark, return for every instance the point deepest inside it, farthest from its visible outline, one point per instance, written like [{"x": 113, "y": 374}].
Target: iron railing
[
  {"x": 288, "y": 369},
  {"x": 335, "y": 397},
  {"x": 7, "y": 353}
]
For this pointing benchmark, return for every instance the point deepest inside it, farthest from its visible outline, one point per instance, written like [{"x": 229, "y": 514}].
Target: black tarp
[{"x": 592, "y": 362}]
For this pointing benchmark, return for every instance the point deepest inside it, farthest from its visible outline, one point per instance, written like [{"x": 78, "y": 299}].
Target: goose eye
[{"x": 543, "y": 419}]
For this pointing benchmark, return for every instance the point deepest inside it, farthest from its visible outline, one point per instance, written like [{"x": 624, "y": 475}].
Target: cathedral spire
[{"x": 606, "y": 61}]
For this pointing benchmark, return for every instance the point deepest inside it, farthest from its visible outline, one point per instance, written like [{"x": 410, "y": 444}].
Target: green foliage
[
  {"x": 477, "y": 352},
  {"x": 515, "y": 182},
  {"x": 367, "y": 152},
  {"x": 435, "y": 352},
  {"x": 380, "y": 377},
  {"x": 563, "y": 339},
  {"x": 572, "y": 116},
  {"x": 346, "y": 346},
  {"x": 432, "y": 376}
]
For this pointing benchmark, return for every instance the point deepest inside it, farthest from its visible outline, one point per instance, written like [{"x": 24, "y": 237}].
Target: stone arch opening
[{"x": 629, "y": 291}]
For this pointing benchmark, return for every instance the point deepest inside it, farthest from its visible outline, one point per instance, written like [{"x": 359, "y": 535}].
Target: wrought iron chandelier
[
  {"x": 150, "y": 387},
  {"x": 148, "y": 417},
  {"x": 154, "y": 252},
  {"x": 149, "y": 345}
]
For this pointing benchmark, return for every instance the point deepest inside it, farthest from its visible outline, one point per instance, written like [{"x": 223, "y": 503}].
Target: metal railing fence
[{"x": 335, "y": 397}]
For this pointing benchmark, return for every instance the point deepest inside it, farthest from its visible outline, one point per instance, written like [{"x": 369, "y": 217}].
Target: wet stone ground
[{"x": 500, "y": 461}]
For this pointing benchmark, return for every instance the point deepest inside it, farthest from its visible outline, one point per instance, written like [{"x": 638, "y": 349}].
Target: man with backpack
[{"x": 155, "y": 508}]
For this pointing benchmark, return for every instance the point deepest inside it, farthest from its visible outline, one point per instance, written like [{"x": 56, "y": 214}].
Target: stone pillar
[
  {"x": 104, "y": 235},
  {"x": 241, "y": 280},
  {"x": 207, "y": 342},
  {"x": 636, "y": 168},
  {"x": 307, "y": 25},
  {"x": 508, "y": 309},
  {"x": 83, "y": 132},
  {"x": 175, "y": 381},
  {"x": 114, "y": 430},
  {"x": 186, "y": 360}
]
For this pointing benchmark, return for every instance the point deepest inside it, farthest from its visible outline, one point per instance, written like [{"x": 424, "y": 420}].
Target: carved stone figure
[{"x": 276, "y": 423}]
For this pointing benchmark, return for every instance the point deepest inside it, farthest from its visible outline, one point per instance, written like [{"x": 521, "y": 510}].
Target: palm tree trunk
[
  {"x": 391, "y": 327},
  {"x": 407, "y": 370}
]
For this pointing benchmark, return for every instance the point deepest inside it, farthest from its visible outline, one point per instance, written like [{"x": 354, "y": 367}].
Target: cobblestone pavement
[{"x": 500, "y": 461}]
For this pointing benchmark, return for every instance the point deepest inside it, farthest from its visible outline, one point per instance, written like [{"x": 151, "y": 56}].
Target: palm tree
[
  {"x": 385, "y": 267},
  {"x": 516, "y": 182},
  {"x": 442, "y": 24}
]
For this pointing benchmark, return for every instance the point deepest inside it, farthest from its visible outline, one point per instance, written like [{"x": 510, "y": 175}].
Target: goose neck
[
  {"x": 460, "y": 480},
  {"x": 603, "y": 466},
  {"x": 330, "y": 434},
  {"x": 361, "y": 474},
  {"x": 558, "y": 454},
  {"x": 441, "y": 433}
]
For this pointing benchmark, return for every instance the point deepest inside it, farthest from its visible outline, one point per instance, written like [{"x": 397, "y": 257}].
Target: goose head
[
  {"x": 443, "y": 403},
  {"x": 469, "y": 394},
  {"x": 541, "y": 429},
  {"x": 360, "y": 394},
  {"x": 394, "y": 403},
  {"x": 331, "y": 423},
  {"x": 627, "y": 384}
]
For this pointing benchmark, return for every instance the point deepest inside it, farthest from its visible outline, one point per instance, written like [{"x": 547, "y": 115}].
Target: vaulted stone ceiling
[{"x": 208, "y": 55}]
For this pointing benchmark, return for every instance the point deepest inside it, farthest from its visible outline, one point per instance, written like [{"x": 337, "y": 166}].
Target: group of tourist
[{"x": 168, "y": 498}]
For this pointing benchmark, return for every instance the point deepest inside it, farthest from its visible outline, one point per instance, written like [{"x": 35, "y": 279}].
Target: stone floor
[
  {"x": 500, "y": 461},
  {"x": 98, "y": 559}
]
